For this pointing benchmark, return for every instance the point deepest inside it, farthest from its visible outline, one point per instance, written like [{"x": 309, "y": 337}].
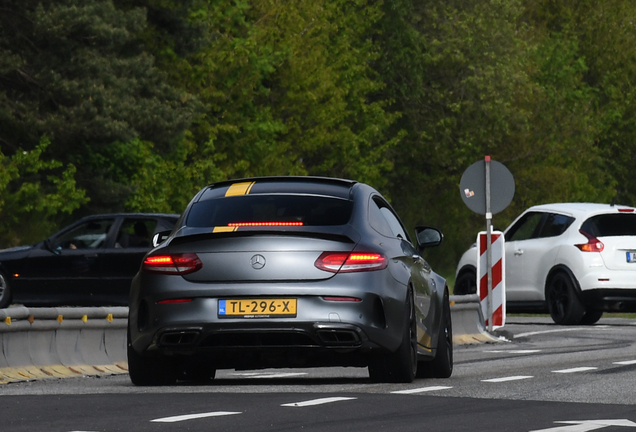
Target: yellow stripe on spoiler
[
  {"x": 221, "y": 229},
  {"x": 239, "y": 189}
]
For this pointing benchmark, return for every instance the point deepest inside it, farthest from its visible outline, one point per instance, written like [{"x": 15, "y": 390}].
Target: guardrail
[{"x": 61, "y": 342}]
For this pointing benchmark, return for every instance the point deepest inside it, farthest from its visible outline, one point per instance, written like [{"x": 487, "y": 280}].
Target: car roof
[
  {"x": 579, "y": 209},
  {"x": 280, "y": 185},
  {"x": 292, "y": 179}
]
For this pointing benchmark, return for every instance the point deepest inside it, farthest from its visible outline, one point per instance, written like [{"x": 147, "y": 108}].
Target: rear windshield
[
  {"x": 302, "y": 210},
  {"x": 611, "y": 225}
]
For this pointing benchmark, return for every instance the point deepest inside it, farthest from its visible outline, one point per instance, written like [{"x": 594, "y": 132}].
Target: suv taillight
[
  {"x": 172, "y": 264},
  {"x": 344, "y": 262},
  {"x": 593, "y": 244}
]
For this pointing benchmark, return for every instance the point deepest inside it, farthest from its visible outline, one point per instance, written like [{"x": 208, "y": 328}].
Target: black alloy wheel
[
  {"x": 591, "y": 317},
  {"x": 564, "y": 305}
]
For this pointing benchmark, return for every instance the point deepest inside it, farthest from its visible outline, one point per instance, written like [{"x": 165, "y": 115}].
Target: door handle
[{"x": 518, "y": 252}]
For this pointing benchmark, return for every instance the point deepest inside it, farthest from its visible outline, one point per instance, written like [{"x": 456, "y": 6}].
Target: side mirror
[
  {"x": 428, "y": 237},
  {"x": 48, "y": 245},
  {"x": 160, "y": 237}
]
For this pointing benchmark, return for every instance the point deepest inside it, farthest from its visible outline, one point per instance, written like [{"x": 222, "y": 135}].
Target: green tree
[
  {"x": 33, "y": 192},
  {"x": 604, "y": 36},
  {"x": 76, "y": 71},
  {"x": 287, "y": 86}
]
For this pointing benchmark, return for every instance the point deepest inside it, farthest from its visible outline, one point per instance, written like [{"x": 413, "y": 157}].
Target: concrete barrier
[
  {"x": 72, "y": 341},
  {"x": 61, "y": 342},
  {"x": 468, "y": 321}
]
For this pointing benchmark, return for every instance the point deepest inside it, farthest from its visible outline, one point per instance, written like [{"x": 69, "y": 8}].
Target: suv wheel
[
  {"x": 564, "y": 305},
  {"x": 466, "y": 282},
  {"x": 591, "y": 317}
]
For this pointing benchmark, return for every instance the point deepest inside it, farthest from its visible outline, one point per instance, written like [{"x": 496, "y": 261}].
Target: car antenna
[{"x": 613, "y": 202}]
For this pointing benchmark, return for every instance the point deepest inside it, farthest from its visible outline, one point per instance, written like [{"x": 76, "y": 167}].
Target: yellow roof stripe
[
  {"x": 220, "y": 229},
  {"x": 239, "y": 189}
]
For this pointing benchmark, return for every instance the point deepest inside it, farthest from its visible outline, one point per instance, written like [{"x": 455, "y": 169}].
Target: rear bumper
[
  {"x": 323, "y": 332},
  {"x": 247, "y": 346},
  {"x": 610, "y": 300}
]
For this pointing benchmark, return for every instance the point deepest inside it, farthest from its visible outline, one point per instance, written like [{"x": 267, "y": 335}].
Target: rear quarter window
[{"x": 611, "y": 225}]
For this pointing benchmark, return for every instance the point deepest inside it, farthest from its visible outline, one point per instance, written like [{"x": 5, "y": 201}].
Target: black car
[
  {"x": 90, "y": 263},
  {"x": 289, "y": 272}
]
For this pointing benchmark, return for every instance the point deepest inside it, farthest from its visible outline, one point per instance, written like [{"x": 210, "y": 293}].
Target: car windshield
[
  {"x": 270, "y": 210},
  {"x": 611, "y": 225}
]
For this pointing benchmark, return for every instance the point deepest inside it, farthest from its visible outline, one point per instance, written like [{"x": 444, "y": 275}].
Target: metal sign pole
[{"x": 489, "y": 243}]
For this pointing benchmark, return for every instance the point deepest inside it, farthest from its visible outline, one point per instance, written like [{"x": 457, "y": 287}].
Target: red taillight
[
  {"x": 343, "y": 262},
  {"x": 264, "y": 224},
  {"x": 172, "y": 264},
  {"x": 626, "y": 210},
  {"x": 593, "y": 244}
]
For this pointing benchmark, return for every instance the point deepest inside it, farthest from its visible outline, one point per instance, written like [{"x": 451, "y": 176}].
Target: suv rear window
[
  {"x": 611, "y": 225},
  {"x": 262, "y": 209}
]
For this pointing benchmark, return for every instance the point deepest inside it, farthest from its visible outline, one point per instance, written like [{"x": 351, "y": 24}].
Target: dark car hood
[{"x": 15, "y": 252}]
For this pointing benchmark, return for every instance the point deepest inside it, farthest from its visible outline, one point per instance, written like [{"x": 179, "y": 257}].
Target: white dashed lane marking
[
  {"x": 421, "y": 390},
  {"x": 514, "y": 351},
  {"x": 510, "y": 378},
  {"x": 320, "y": 401},
  {"x": 179, "y": 418},
  {"x": 575, "y": 370},
  {"x": 626, "y": 362},
  {"x": 269, "y": 374}
]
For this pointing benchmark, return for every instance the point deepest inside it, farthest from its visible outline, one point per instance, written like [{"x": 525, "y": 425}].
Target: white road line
[
  {"x": 626, "y": 362},
  {"x": 574, "y": 370},
  {"x": 569, "y": 329},
  {"x": 421, "y": 390},
  {"x": 193, "y": 416},
  {"x": 510, "y": 378},
  {"x": 514, "y": 351},
  {"x": 318, "y": 401}
]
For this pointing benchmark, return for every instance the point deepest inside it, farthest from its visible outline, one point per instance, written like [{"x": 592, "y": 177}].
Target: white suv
[{"x": 575, "y": 260}]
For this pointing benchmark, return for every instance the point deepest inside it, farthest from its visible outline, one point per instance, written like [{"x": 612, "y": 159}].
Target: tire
[
  {"x": 5, "y": 292},
  {"x": 591, "y": 317},
  {"x": 564, "y": 305},
  {"x": 442, "y": 365},
  {"x": 466, "y": 282},
  {"x": 150, "y": 371},
  {"x": 399, "y": 366}
]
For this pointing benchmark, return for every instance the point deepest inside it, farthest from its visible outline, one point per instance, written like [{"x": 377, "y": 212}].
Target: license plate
[
  {"x": 631, "y": 257},
  {"x": 257, "y": 308}
]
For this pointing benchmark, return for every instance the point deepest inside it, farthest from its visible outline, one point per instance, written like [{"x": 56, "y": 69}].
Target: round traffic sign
[{"x": 472, "y": 187}]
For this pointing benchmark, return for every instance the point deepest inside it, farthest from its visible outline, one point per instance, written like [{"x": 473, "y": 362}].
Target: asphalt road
[{"x": 543, "y": 378}]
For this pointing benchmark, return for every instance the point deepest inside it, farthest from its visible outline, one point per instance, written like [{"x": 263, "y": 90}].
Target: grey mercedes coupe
[{"x": 285, "y": 272}]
